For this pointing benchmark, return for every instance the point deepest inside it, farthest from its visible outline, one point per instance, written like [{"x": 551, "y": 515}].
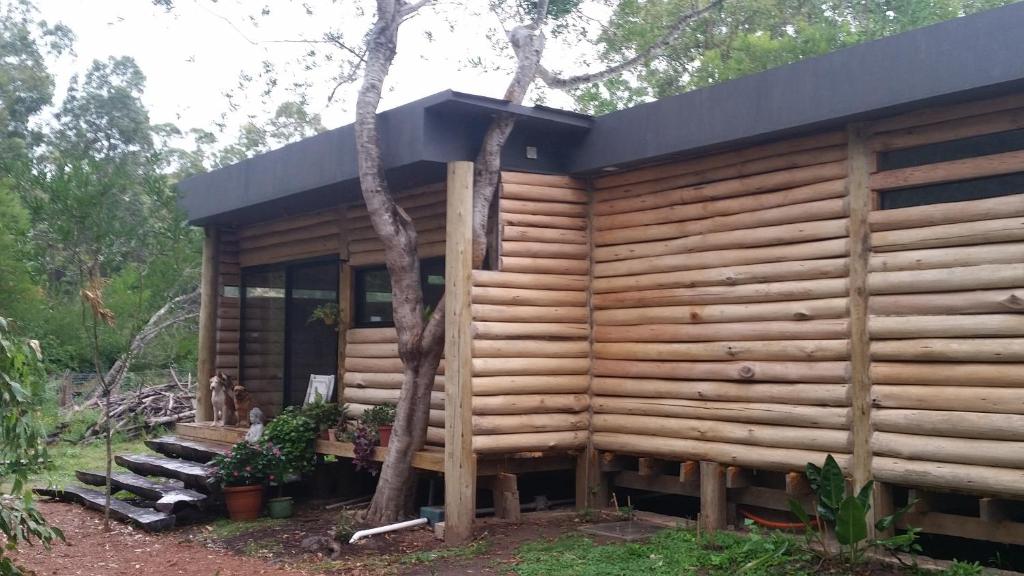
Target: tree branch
[
  {"x": 649, "y": 53},
  {"x": 410, "y": 9}
]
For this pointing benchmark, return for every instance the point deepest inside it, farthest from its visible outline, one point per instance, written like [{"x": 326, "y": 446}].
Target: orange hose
[{"x": 778, "y": 525}]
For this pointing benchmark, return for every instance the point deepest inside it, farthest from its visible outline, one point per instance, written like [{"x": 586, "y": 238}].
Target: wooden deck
[{"x": 430, "y": 459}]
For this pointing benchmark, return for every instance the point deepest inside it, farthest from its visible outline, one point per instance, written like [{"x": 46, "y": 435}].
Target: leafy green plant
[
  {"x": 380, "y": 415},
  {"x": 247, "y": 464},
  {"x": 324, "y": 414},
  {"x": 293, "y": 433},
  {"x": 846, "y": 514},
  {"x": 958, "y": 568},
  {"x": 22, "y": 449},
  {"x": 327, "y": 313}
]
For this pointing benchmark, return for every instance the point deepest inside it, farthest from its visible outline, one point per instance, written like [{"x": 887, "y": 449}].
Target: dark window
[
  {"x": 373, "y": 292},
  {"x": 964, "y": 190}
]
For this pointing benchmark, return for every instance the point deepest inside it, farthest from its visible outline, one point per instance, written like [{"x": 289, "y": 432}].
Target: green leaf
[
  {"x": 885, "y": 522},
  {"x": 851, "y": 523},
  {"x": 798, "y": 510},
  {"x": 864, "y": 496}
]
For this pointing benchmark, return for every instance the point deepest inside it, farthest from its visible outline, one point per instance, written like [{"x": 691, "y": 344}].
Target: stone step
[
  {"x": 189, "y": 449},
  {"x": 145, "y": 518},
  {"x": 167, "y": 495},
  {"x": 196, "y": 476}
]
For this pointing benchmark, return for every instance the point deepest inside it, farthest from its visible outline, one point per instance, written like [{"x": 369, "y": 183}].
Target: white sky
[{"x": 194, "y": 54}]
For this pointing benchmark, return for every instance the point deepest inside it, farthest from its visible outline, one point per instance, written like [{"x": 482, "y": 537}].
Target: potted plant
[
  {"x": 280, "y": 506},
  {"x": 327, "y": 313},
  {"x": 242, "y": 473},
  {"x": 380, "y": 418},
  {"x": 292, "y": 433},
  {"x": 325, "y": 415}
]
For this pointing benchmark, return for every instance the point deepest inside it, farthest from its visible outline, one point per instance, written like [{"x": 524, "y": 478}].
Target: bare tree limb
[{"x": 649, "y": 53}]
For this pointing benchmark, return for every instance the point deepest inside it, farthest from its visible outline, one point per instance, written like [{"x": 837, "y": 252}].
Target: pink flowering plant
[{"x": 247, "y": 464}]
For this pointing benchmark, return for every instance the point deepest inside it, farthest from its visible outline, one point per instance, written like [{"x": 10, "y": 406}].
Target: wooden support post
[
  {"x": 689, "y": 473},
  {"x": 883, "y": 506},
  {"x": 344, "y": 323},
  {"x": 861, "y": 165},
  {"x": 712, "y": 496},
  {"x": 649, "y": 466},
  {"x": 737, "y": 477},
  {"x": 591, "y": 480},
  {"x": 797, "y": 484},
  {"x": 459, "y": 460},
  {"x": 207, "y": 352},
  {"x": 506, "y": 497}
]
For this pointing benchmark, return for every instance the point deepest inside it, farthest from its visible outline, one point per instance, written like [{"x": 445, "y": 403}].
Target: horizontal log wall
[
  {"x": 946, "y": 284},
  {"x": 531, "y": 321},
  {"x": 720, "y": 307},
  {"x": 228, "y": 301}
]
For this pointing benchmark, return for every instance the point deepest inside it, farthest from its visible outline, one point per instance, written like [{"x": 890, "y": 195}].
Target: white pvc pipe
[{"x": 389, "y": 528}]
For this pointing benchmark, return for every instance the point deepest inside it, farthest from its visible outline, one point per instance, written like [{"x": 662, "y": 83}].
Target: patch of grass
[
  {"x": 958, "y": 568},
  {"x": 262, "y": 548},
  {"x": 224, "y": 528},
  {"x": 668, "y": 553},
  {"x": 427, "y": 556},
  {"x": 65, "y": 458}
]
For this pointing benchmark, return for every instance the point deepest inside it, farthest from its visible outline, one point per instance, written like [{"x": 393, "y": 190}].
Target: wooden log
[
  {"x": 535, "y": 234},
  {"x": 519, "y": 423},
  {"x": 272, "y": 227},
  {"x": 949, "y": 257},
  {"x": 423, "y": 237},
  {"x": 749, "y": 238},
  {"x": 754, "y": 312},
  {"x": 782, "y": 179},
  {"x": 377, "y": 396},
  {"x": 955, "y": 398},
  {"x": 998, "y": 121},
  {"x": 749, "y": 274},
  {"x": 543, "y": 221},
  {"x": 429, "y": 195},
  {"x": 728, "y": 331},
  {"x": 149, "y": 520},
  {"x": 950, "y": 349},
  {"x": 530, "y": 442},
  {"x": 962, "y": 374},
  {"x": 544, "y": 193},
  {"x": 732, "y": 432},
  {"x": 505, "y": 330},
  {"x": 546, "y": 384},
  {"x": 494, "y": 279},
  {"x": 530, "y": 403},
  {"x": 530, "y": 348},
  {"x": 380, "y": 365},
  {"x": 545, "y": 250},
  {"x": 960, "y": 234},
  {"x": 738, "y": 205},
  {"x": 736, "y": 477},
  {"x": 990, "y": 325},
  {"x": 422, "y": 223},
  {"x": 713, "y": 497},
  {"x": 307, "y": 248},
  {"x": 977, "y": 302},
  {"x": 949, "y": 171},
  {"x": 528, "y": 297},
  {"x": 947, "y": 213},
  {"x": 951, "y": 424},
  {"x": 544, "y": 208},
  {"x": 943, "y": 449},
  {"x": 797, "y": 485},
  {"x": 944, "y": 113},
  {"x": 808, "y": 211},
  {"x": 721, "y": 258},
  {"x": 749, "y": 350},
  {"x": 781, "y": 459},
  {"x": 377, "y": 380},
  {"x": 977, "y": 479},
  {"x": 528, "y": 366},
  {"x": 543, "y": 265},
  {"x": 947, "y": 279},
  {"x": 531, "y": 179},
  {"x": 206, "y": 351},
  {"x": 833, "y": 372},
  {"x": 374, "y": 350},
  {"x": 291, "y": 235},
  {"x": 740, "y": 294},
  {"x": 808, "y": 394},
  {"x": 749, "y": 412},
  {"x": 426, "y": 250},
  {"x": 367, "y": 335},
  {"x": 492, "y": 313}
]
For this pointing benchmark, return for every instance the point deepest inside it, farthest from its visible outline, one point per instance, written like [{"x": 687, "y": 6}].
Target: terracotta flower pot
[
  {"x": 244, "y": 502},
  {"x": 327, "y": 434},
  {"x": 385, "y": 435}
]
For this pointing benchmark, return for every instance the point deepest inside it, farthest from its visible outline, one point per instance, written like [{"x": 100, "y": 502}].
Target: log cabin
[{"x": 696, "y": 296}]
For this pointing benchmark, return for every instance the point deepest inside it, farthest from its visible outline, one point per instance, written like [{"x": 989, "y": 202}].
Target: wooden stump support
[
  {"x": 207, "y": 352},
  {"x": 713, "y": 504},
  {"x": 459, "y": 461}
]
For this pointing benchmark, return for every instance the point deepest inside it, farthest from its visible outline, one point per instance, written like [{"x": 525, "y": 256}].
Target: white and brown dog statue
[{"x": 222, "y": 400}]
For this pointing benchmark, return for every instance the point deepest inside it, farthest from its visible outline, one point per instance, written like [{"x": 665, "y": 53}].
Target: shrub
[
  {"x": 293, "y": 433},
  {"x": 247, "y": 464}
]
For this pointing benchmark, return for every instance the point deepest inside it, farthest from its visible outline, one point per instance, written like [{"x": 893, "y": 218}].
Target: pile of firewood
[{"x": 135, "y": 411}]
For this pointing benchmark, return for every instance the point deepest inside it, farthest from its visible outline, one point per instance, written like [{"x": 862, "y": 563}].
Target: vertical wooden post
[
  {"x": 459, "y": 461},
  {"x": 344, "y": 300},
  {"x": 712, "y": 496},
  {"x": 207, "y": 352},
  {"x": 860, "y": 166}
]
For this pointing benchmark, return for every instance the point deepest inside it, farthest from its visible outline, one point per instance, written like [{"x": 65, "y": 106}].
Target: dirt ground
[{"x": 273, "y": 548}]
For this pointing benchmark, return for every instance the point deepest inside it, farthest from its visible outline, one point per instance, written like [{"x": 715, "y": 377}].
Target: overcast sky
[{"x": 194, "y": 54}]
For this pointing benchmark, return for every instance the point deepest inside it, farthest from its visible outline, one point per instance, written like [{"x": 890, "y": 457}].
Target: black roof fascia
[
  {"x": 321, "y": 170},
  {"x": 971, "y": 56}
]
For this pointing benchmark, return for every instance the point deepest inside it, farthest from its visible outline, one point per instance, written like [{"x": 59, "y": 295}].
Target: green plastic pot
[{"x": 282, "y": 507}]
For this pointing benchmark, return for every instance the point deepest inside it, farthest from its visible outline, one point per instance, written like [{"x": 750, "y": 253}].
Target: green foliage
[
  {"x": 743, "y": 37},
  {"x": 293, "y": 433},
  {"x": 847, "y": 514},
  {"x": 247, "y": 464},
  {"x": 324, "y": 415},
  {"x": 379, "y": 415},
  {"x": 22, "y": 449},
  {"x": 958, "y": 568},
  {"x": 78, "y": 423},
  {"x": 671, "y": 552}
]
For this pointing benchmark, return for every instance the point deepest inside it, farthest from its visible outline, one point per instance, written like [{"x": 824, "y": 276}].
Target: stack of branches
[{"x": 133, "y": 412}]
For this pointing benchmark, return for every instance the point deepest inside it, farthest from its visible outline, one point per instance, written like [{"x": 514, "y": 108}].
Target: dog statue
[
  {"x": 243, "y": 404},
  {"x": 223, "y": 403},
  {"x": 255, "y": 425}
]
